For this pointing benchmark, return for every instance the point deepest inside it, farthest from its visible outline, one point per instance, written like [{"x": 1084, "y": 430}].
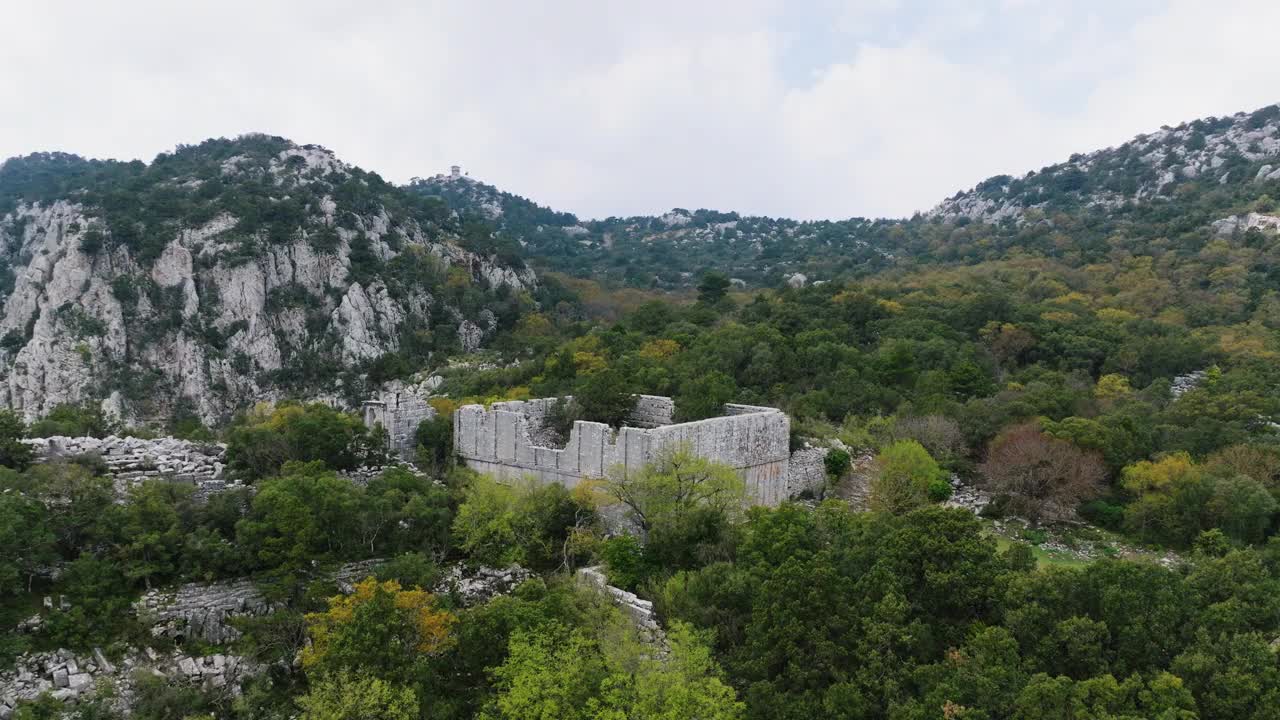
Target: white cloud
[{"x": 620, "y": 108}]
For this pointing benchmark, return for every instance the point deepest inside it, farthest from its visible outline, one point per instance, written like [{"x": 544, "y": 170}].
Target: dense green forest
[
  {"x": 791, "y": 612},
  {"x": 1102, "y": 361}
]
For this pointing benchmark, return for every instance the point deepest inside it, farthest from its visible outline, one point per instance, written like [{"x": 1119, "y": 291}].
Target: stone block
[{"x": 505, "y": 443}]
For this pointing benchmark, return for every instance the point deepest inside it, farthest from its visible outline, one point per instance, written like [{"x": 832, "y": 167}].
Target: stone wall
[
  {"x": 639, "y": 611},
  {"x": 807, "y": 474},
  {"x": 399, "y": 409},
  {"x": 499, "y": 440},
  {"x": 652, "y": 411},
  {"x": 131, "y": 460}
]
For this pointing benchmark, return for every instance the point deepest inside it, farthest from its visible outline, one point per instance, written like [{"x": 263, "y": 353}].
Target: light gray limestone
[{"x": 500, "y": 440}]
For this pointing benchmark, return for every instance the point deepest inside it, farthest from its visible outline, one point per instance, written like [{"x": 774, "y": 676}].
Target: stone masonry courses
[{"x": 506, "y": 440}]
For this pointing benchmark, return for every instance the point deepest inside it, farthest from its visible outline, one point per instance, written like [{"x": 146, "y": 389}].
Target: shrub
[
  {"x": 1035, "y": 536},
  {"x": 624, "y": 562},
  {"x": 904, "y": 472},
  {"x": 412, "y": 569},
  {"x": 74, "y": 421},
  {"x": 13, "y": 452},
  {"x": 837, "y": 463},
  {"x": 939, "y": 490},
  {"x": 1103, "y": 514}
]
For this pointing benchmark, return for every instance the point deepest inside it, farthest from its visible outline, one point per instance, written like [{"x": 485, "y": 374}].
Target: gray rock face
[
  {"x": 205, "y": 323},
  {"x": 479, "y": 585},
  {"x": 1183, "y": 384},
  {"x": 807, "y": 473},
  {"x": 1244, "y": 223},
  {"x": 1163, "y": 158}
]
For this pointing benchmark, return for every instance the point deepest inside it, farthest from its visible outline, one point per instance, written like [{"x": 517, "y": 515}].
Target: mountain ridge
[
  {"x": 225, "y": 273},
  {"x": 1240, "y": 152}
]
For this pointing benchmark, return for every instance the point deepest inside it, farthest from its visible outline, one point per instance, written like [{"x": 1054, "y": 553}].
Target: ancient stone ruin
[
  {"x": 399, "y": 411},
  {"x": 508, "y": 440},
  {"x": 130, "y": 460}
]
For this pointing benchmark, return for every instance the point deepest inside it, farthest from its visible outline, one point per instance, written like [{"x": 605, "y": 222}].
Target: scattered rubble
[
  {"x": 478, "y": 585},
  {"x": 68, "y": 677},
  {"x": 130, "y": 460}
]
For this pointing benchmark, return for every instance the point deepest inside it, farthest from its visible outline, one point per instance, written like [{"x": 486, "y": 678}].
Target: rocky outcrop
[
  {"x": 220, "y": 317},
  {"x": 1244, "y": 147},
  {"x": 1182, "y": 384},
  {"x": 807, "y": 473},
  {"x": 478, "y": 585},
  {"x": 1244, "y": 223},
  {"x": 204, "y": 611}
]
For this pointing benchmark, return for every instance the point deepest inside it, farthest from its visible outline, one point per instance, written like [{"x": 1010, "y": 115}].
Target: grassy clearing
[{"x": 1044, "y": 558}]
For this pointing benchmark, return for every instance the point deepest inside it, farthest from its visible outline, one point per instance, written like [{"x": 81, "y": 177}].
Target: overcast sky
[{"x": 820, "y": 109}]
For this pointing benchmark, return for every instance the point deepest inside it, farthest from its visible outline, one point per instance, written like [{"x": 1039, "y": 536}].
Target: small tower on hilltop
[{"x": 455, "y": 171}]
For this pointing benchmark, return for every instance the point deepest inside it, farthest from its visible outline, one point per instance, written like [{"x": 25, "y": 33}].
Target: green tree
[
  {"x": 685, "y": 684},
  {"x": 74, "y": 421},
  {"x": 13, "y": 452},
  {"x": 305, "y": 514},
  {"x": 605, "y": 396},
  {"x": 525, "y": 522},
  {"x": 674, "y": 486},
  {"x": 380, "y": 630},
  {"x": 158, "y": 514},
  {"x": 345, "y": 695},
  {"x": 713, "y": 287},
  {"x": 434, "y": 437},
  {"x": 550, "y": 674},
  {"x": 557, "y": 673},
  {"x": 904, "y": 470},
  {"x": 406, "y": 511},
  {"x": 269, "y": 437},
  {"x": 26, "y": 541},
  {"x": 704, "y": 395}
]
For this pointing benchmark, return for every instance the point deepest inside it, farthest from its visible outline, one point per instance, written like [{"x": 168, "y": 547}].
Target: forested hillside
[
  {"x": 1048, "y": 413},
  {"x": 226, "y": 272},
  {"x": 1169, "y": 187}
]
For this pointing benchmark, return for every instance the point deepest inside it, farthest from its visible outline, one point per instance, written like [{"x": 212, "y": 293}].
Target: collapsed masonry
[
  {"x": 508, "y": 440},
  {"x": 129, "y": 461}
]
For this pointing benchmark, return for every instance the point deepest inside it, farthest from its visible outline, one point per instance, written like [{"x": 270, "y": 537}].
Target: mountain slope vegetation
[{"x": 229, "y": 271}]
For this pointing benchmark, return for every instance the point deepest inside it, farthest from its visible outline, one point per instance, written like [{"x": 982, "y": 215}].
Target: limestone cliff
[
  {"x": 1226, "y": 151},
  {"x": 224, "y": 273}
]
